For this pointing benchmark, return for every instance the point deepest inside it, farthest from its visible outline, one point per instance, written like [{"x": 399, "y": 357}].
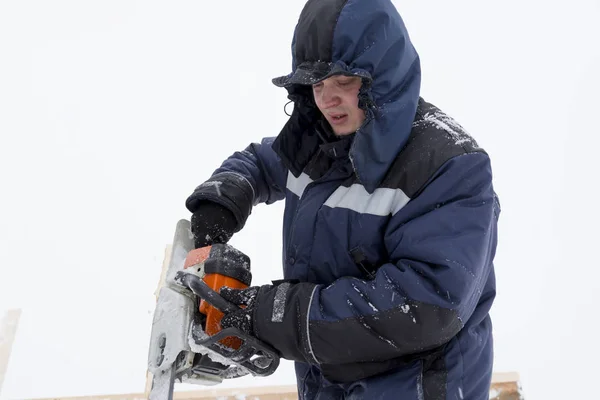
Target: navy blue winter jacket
[{"x": 390, "y": 233}]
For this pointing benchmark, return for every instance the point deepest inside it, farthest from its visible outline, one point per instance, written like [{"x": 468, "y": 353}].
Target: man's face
[{"x": 337, "y": 98}]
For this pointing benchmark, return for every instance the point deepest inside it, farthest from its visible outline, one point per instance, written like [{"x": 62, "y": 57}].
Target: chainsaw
[{"x": 187, "y": 344}]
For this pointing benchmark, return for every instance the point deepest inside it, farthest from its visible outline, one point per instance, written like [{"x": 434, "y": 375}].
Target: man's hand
[
  {"x": 275, "y": 314},
  {"x": 212, "y": 223},
  {"x": 242, "y": 319}
]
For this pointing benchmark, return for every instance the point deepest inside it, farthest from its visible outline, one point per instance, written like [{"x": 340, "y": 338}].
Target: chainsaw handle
[{"x": 202, "y": 290}]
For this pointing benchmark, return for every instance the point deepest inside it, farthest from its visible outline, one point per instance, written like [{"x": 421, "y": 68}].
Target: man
[{"x": 389, "y": 227}]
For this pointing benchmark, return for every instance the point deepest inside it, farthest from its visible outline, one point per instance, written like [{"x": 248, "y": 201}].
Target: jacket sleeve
[
  {"x": 440, "y": 261},
  {"x": 245, "y": 179}
]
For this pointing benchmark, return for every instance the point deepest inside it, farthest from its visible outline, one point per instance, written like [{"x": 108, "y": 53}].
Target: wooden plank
[
  {"x": 287, "y": 392},
  {"x": 500, "y": 377},
  {"x": 8, "y": 330},
  {"x": 505, "y": 386}
]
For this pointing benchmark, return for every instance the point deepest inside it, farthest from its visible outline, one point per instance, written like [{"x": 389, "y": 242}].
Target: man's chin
[{"x": 343, "y": 132}]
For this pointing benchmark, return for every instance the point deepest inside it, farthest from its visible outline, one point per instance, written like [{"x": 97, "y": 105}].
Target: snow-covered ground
[{"x": 112, "y": 112}]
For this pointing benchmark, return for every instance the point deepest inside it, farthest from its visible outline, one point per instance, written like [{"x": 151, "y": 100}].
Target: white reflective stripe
[
  {"x": 383, "y": 201},
  {"x": 279, "y": 302},
  {"x": 297, "y": 185},
  {"x": 310, "y": 349}
]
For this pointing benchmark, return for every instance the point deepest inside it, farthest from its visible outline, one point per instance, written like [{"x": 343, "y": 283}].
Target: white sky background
[{"x": 111, "y": 112}]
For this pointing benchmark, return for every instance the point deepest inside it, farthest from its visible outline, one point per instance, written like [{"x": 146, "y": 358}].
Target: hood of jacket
[{"x": 364, "y": 38}]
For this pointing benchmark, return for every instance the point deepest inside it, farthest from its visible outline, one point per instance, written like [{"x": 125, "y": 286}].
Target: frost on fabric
[
  {"x": 231, "y": 254},
  {"x": 363, "y": 296},
  {"x": 240, "y": 296},
  {"x": 240, "y": 320},
  {"x": 406, "y": 309},
  {"x": 388, "y": 341},
  {"x": 448, "y": 124}
]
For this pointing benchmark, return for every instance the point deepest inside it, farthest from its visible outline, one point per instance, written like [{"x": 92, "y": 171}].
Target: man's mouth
[{"x": 337, "y": 119}]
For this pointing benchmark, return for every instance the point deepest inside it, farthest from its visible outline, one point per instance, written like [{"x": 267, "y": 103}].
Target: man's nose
[{"x": 329, "y": 97}]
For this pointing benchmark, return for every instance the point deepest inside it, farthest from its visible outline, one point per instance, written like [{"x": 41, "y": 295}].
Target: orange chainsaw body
[{"x": 195, "y": 259}]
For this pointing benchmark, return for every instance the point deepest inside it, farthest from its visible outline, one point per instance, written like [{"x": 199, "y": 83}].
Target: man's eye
[{"x": 346, "y": 82}]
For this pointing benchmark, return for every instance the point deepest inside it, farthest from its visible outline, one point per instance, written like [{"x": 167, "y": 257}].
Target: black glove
[
  {"x": 212, "y": 223},
  {"x": 272, "y": 314},
  {"x": 244, "y": 318},
  {"x": 276, "y": 314}
]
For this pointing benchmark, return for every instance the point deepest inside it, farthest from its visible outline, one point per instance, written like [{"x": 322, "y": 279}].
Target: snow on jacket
[{"x": 390, "y": 231}]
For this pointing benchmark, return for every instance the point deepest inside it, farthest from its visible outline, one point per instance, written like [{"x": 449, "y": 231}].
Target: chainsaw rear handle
[
  {"x": 205, "y": 292},
  {"x": 257, "y": 357}
]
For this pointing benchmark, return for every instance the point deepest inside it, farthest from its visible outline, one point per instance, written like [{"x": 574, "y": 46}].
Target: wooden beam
[
  {"x": 287, "y": 392},
  {"x": 505, "y": 386},
  {"x": 8, "y": 330}
]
